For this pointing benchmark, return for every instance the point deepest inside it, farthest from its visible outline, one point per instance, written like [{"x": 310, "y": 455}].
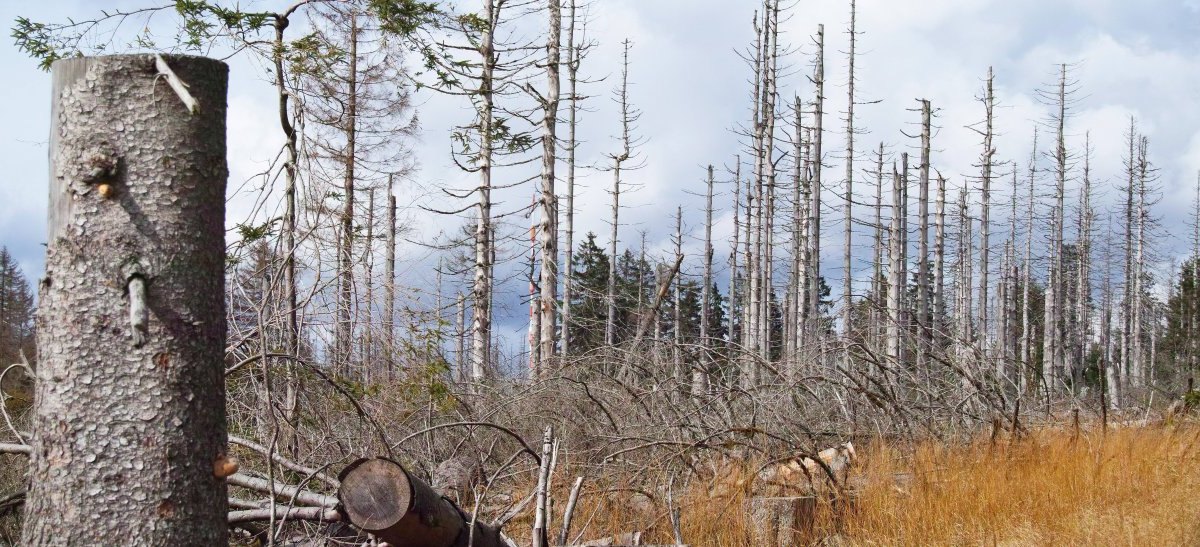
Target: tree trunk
[
  {"x": 985, "y": 197},
  {"x": 345, "y": 327},
  {"x": 573, "y": 57},
  {"x": 130, "y": 404},
  {"x": 389, "y": 320},
  {"x": 549, "y": 200},
  {"x": 895, "y": 259},
  {"x": 481, "y": 308},
  {"x": 847, "y": 266},
  {"x": 700, "y": 371},
  {"x": 381, "y": 497},
  {"x": 923, "y": 292},
  {"x": 814, "y": 213}
]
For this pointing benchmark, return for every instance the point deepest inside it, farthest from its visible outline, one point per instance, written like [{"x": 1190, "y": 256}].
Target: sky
[{"x": 1128, "y": 58}]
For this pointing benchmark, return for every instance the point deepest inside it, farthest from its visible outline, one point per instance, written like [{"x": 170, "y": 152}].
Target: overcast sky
[{"x": 1130, "y": 58}]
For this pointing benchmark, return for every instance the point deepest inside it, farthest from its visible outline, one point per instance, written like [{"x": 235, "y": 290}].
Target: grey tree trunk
[
  {"x": 1052, "y": 352},
  {"x": 573, "y": 58},
  {"x": 368, "y": 306},
  {"x": 130, "y": 403},
  {"x": 548, "y": 231},
  {"x": 293, "y": 387},
  {"x": 877, "y": 282},
  {"x": 345, "y": 318},
  {"x": 895, "y": 259},
  {"x": 847, "y": 276},
  {"x": 985, "y": 179},
  {"x": 481, "y": 306},
  {"x": 814, "y": 213},
  {"x": 700, "y": 371},
  {"x": 677, "y": 304},
  {"x": 1026, "y": 360},
  {"x": 734, "y": 296},
  {"x": 618, "y": 159},
  {"x": 939, "y": 260},
  {"x": 923, "y": 289},
  {"x": 389, "y": 320}
]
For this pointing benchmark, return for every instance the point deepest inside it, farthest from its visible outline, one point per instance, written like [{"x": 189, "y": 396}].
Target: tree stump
[
  {"x": 780, "y": 521},
  {"x": 130, "y": 393}
]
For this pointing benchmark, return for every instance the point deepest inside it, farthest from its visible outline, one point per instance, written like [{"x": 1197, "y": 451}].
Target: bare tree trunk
[
  {"x": 1138, "y": 369},
  {"x": 923, "y": 296},
  {"x": 549, "y": 200},
  {"x": 481, "y": 307},
  {"x": 985, "y": 179},
  {"x": 389, "y": 321},
  {"x": 847, "y": 265},
  {"x": 610, "y": 325},
  {"x": 1026, "y": 277},
  {"x": 676, "y": 313},
  {"x": 368, "y": 339},
  {"x": 700, "y": 371},
  {"x": 345, "y": 326},
  {"x": 573, "y": 60},
  {"x": 752, "y": 325},
  {"x": 939, "y": 261},
  {"x": 734, "y": 296},
  {"x": 814, "y": 214},
  {"x": 131, "y": 318},
  {"x": 289, "y": 234},
  {"x": 1083, "y": 287},
  {"x": 895, "y": 269},
  {"x": 966, "y": 275},
  {"x": 1052, "y": 356},
  {"x": 799, "y": 275},
  {"x": 877, "y": 283}
]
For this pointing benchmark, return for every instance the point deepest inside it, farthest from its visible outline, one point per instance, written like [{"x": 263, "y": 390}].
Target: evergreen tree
[
  {"x": 16, "y": 311},
  {"x": 589, "y": 285}
]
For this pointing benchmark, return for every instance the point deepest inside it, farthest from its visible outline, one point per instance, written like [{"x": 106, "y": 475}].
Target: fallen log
[
  {"x": 281, "y": 512},
  {"x": 381, "y": 497},
  {"x": 282, "y": 491}
]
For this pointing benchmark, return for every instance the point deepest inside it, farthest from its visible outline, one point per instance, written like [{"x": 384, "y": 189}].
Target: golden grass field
[{"x": 1129, "y": 486}]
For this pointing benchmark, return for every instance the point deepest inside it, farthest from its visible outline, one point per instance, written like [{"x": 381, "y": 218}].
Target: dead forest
[{"x": 847, "y": 344}]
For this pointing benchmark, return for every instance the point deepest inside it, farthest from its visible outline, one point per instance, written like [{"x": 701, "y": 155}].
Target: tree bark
[
  {"x": 549, "y": 200},
  {"x": 130, "y": 404}
]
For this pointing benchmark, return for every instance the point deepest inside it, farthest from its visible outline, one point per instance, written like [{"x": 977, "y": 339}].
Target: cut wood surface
[{"x": 381, "y": 497}]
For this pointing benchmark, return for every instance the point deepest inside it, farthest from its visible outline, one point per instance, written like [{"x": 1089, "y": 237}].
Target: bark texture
[{"x": 130, "y": 411}]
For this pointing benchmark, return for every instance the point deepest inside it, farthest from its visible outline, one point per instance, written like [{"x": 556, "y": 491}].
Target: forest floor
[{"x": 1053, "y": 486}]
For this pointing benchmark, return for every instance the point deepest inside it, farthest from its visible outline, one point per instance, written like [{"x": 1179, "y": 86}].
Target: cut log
[
  {"x": 381, "y": 497},
  {"x": 780, "y": 521}
]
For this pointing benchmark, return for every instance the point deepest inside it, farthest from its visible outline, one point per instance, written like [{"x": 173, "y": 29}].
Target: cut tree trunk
[
  {"x": 381, "y": 497},
  {"x": 130, "y": 405}
]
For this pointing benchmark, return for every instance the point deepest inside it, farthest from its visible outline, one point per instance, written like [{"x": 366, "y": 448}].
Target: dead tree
[
  {"x": 985, "y": 181},
  {"x": 575, "y": 54},
  {"x": 548, "y": 229},
  {"x": 847, "y": 265},
  {"x": 130, "y": 404},
  {"x": 923, "y": 289},
  {"x": 700, "y": 370},
  {"x": 814, "y": 213},
  {"x": 629, "y": 117},
  {"x": 895, "y": 268}
]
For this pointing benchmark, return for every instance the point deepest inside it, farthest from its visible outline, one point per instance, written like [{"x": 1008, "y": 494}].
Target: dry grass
[{"x": 1128, "y": 487}]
